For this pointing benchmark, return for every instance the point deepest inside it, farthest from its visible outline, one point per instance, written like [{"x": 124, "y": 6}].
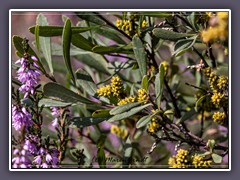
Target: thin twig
[
  {"x": 213, "y": 60},
  {"x": 113, "y": 26}
]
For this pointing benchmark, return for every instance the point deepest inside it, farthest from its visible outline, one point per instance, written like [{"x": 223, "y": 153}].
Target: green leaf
[
  {"x": 81, "y": 122},
  {"x": 45, "y": 42},
  {"x": 110, "y": 34},
  {"x": 52, "y": 103},
  {"x": 169, "y": 112},
  {"x": 128, "y": 150},
  {"x": 101, "y": 157},
  {"x": 183, "y": 45},
  {"x": 186, "y": 116},
  {"x": 27, "y": 102},
  {"x": 156, "y": 14},
  {"x": 169, "y": 35},
  {"x": 112, "y": 49},
  {"x": 145, "y": 83},
  {"x": 84, "y": 80},
  {"x": 94, "y": 61},
  {"x": 159, "y": 82},
  {"x": 58, "y": 92},
  {"x": 17, "y": 42},
  {"x": 143, "y": 121},
  {"x": 123, "y": 108},
  {"x": 91, "y": 17},
  {"x": 127, "y": 114},
  {"x": 36, "y": 32},
  {"x": 216, "y": 158},
  {"x": 101, "y": 113},
  {"x": 50, "y": 31},
  {"x": 140, "y": 54},
  {"x": 81, "y": 42},
  {"x": 199, "y": 102},
  {"x": 74, "y": 51},
  {"x": 192, "y": 20},
  {"x": 66, "y": 42},
  {"x": 211, "y": 144}
]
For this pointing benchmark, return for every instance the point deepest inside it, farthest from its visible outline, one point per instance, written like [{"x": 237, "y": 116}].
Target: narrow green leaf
[
  {"x": 17, "y": 42},
  {"x": 146, "y": 119},
  {"x": 145, "y": 82},
  {"x": 91, "y": 17},
  {"x": 192, "y": 20},
  {"x": 183, "y": 45},
  {"x": 101, "y": 158},
  {"x": 112, "y": 49},
  {"x": 127, "y": 114},
  {"x": 81, "y": 122},
  {"x": 143, "y": 121},
  {"x": 50, "y": 31},
  {"x": 74, "y": 51},
  {"x": 128, "y": 150},
  {"x": 199, "y": 102},
  {"x": 217, "y": 158},
  {"x": 169, "y": 35},
  {"x": 84, "y": 80},
  {"x": 81, "y": 42},
  {"x": 140, "y": 54},
  {"x": 37, "y": 37},
  {"x": 94, "y": 61},
  {"x": 66, "y": 42},
  {"x": 110, "y": 34},
  {"x": 101, "y": 113},
  {"x": 159, "y": 83},
  {"x": 52, "y": 103},
  {"x": 186, "y": 116},
  {"x": 45, "y": 42},
  {"x": 169, "y": 112},
  {"x": 124, "y": 108},
  {"x": 58, "y": 92}
]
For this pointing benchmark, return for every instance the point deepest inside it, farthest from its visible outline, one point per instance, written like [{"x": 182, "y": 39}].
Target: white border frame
[{"x": 116, "y": 10}]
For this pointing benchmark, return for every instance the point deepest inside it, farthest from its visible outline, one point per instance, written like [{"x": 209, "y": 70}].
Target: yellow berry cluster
[
  {"x": 183, "y": 160},
  {"x": 130, "y": 25},
  {"x": 199, "y": 162},
  {"x": 166, "y": 66},
  {"x": 218, "y": 30},
  {"x": 180, "y": 160},
  {"x": 105, "y": 91},
  {"x": 141, "y": 95},
  {"x": 219, "y": 117},
  {"x": 120, "y": 132},
  {"x": 218, "y": 99},
  {"x": 218, "y": 84},
  {"x": 222, "y": 82},
  {"x": 154, "y": 126},
  {"x": 126, "y": 100},
  {"x": 115, "y": 88}
]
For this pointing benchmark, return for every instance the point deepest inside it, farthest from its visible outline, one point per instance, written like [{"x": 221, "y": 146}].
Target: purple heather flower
[
  {"x": 55, "y": 111},
  {"x": 41, "y": 150},
  {"x": 44, "y": 165},
  {"x": 21, "y": 118},
  {"x": 55, "y": 122},
  {"x": 28, "y": 77},
  {"x": 48, "y": 158},
  {"x": 38, "y": 159},
  {"x": 21, "y": 161},
  {"x": 30, "y": 146}
]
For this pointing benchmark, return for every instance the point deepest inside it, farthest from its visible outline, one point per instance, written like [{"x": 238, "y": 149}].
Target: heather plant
[{"x": 122, "y": 90}]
